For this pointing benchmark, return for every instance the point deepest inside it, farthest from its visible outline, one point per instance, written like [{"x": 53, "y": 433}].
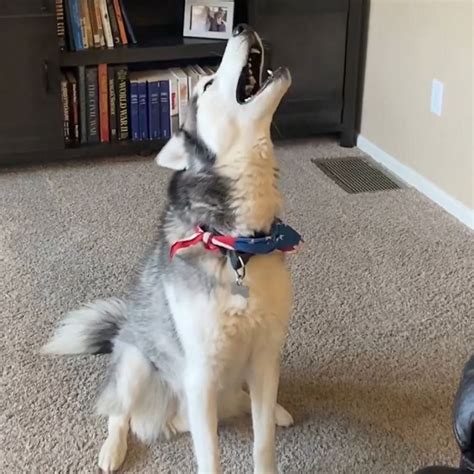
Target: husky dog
[{"x": 196, "y": 330}]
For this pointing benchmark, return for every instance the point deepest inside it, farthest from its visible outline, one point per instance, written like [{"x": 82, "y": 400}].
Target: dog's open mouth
[{"x": 250, "y": 81}]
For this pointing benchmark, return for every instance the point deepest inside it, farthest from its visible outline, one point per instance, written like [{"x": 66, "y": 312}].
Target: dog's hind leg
[{"x": 129, "y": 377}]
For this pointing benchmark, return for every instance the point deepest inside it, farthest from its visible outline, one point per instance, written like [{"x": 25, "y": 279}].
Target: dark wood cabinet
[
  {"x": 311, "y": 38},
  {"x": 319, "y": 40},
  {"x": 29, "y": 85},
  {"x": 26, "y": 7}
]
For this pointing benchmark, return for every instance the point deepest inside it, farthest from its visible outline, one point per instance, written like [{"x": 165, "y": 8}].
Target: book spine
[
  {"x": 88, "y": 23},
  {"x": 92, "y": 105},
  {"x": 134, "y": 114},
  {"x": 165, "y": 111},
  {"x": 60, "y": 25},
  {"x": 81, "y": 76},
  {"x": 94, "y": 26},
  {"x": 120, "y": 23},
  {"x": 69, "y": 30},
  {"x": 154, "y": 109},
  {"x": 65, "y": 104},
  {"x": 142, "y": 110},
  {"x": 76, "y": 24},
  {"x": 74, "y": 106},
  {"x": 98, "y": 18},
  {"x": 128, "y": 25},
  {"x": 82, "y": 22},
  {"x": 113, "y": 23},
  {"x": 103, "y": 102},
  {"x": 174, "y": 110},
  {"x": 109, "y": 41},
  {"x": 122, "y": 107},
  {"x": 112, "y": 104}
]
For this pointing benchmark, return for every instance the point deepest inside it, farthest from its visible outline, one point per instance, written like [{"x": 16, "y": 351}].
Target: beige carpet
[{"x": 381, "y": 327}]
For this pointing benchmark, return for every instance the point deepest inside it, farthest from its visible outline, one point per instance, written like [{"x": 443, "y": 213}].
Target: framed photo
[{"x": 208, "y": 18}]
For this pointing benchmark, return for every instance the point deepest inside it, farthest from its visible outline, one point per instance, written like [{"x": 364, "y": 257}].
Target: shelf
[
  {"x": 115, "y": 148},
  {"x": 164, "y": 49}
]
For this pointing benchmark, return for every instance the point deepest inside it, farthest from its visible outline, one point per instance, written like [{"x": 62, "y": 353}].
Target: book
[
  {"x": 81, "y": 76},
  {"x": 193, "y": 79},
  {"x": 131, "y": 34},
  {"x": 134, "y": 114},
  {"x": 94, "y": 25},
  {"x": 167, "y": 75},
  {"x": 143, "y": 110},
  {"x": 92, "y": 105},
  {"x": 88, "y": 23},
  {"x": 98, "y": 19},
  {"x": 69, "y": 31},
  {"x": 74, "y": 18},
  {"x": 73, "y": 107},
  {"x": 103, "y": 102},
  {"x": 109, "y": 41},
  {"x": 165, "y": 115},
  {"x": 122, "y": 104},
  {"x": 154, "y": 126},
  {"x": 182, "y": 79},
  {"x": 112, "y": 103},
  {"x": 65, "y": 105},
  {"x": 82, "y": 5},
  {"x": 208, "y": 70},
  {"x": 113, "y": 23},
  {"x": 120, "y": 22},
  {"x": 60, "y": 25},
  {"x": 201, "y": 72}
]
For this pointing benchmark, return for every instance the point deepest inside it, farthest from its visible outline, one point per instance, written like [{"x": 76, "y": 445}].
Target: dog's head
[{"x": 230, "y": 110}]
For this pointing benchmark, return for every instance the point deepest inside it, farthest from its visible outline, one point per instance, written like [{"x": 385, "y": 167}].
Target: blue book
[
  {"x": 143, "y": 110},
  {"x": 134, "y": 121},
  {"x": 154, "y": 110},
  {"x": 165, "y": 110},
  {"x": 75, "y": 19}
]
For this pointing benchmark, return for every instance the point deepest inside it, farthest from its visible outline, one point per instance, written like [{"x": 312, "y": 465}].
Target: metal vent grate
[{"x": 355, "y": 175}]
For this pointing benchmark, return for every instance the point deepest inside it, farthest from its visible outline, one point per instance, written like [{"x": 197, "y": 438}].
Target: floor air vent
[{"x": 355, "y": 175}]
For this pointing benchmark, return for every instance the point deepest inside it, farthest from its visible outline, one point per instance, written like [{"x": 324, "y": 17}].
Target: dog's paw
[
  {"x": 112, "y": 454},
  {"x": 282, "y": 417}
]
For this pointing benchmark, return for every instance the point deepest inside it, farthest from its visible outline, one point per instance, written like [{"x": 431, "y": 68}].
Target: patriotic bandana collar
[{"x": 282, "y": 237}]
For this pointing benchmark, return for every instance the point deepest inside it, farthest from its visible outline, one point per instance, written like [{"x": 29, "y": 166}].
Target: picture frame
[{"x": 208, "y": 19}]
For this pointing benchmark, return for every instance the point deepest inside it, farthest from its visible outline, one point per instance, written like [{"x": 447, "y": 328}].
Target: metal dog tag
[{"x": 238, "y": 288}]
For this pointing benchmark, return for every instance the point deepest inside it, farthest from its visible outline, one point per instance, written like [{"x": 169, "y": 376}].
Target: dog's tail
[{"x": 89, "y": 330}]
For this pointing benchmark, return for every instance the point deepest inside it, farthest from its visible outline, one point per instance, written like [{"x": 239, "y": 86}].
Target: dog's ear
[{"x": 173, "y": 154}]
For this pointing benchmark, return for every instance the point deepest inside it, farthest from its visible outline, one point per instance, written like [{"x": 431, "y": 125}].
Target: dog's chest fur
[{"x": 238, "y": 195}]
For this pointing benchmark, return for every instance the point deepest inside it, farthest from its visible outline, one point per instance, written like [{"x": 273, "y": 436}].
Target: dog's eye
[{"x": 207, "y": 85}]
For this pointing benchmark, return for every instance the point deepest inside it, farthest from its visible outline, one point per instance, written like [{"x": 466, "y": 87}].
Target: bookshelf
[
  {"x": 171, "y": 48},
  {"x": 319, "y": 40}
]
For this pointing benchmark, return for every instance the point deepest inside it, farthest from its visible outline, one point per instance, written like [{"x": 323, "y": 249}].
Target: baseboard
[{"x": 413, "y": 178}]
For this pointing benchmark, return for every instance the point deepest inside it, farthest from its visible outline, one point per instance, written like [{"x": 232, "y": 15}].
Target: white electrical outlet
[{"x": 437, "y": 88}]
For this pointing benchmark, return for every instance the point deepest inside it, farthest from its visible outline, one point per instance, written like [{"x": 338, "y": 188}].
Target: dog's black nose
[{"x": 241, "y": 28}]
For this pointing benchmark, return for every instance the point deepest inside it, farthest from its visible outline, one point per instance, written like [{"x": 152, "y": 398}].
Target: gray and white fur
[{"x": 182, "y": 345}]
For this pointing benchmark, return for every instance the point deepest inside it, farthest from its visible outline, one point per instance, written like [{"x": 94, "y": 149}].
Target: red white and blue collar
[{"x": 282, "y": 238}]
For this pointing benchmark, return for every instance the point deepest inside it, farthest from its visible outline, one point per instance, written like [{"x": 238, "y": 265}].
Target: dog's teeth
[
  {"x": 255, "y": 50},
  {"x": 269, "y": 72},
  {"x": 247, "y": 99}
]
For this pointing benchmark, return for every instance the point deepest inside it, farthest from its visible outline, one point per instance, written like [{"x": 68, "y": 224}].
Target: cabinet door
[
  {"x": 30, "y": 111},
  {"x": 26, "y": 7},
  {"x": 309, "y": 37}
]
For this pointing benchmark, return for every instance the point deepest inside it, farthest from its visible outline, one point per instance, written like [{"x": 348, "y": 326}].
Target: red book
[
  {"x": 120, "y": 22},
  {"x": 103, "y": 103}
]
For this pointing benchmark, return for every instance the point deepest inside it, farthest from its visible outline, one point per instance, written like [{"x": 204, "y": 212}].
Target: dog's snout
[{"x": 241, "y": 28}]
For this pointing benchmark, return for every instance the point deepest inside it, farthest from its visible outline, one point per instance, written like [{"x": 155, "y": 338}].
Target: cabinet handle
[{"x": 46, "y": 76}]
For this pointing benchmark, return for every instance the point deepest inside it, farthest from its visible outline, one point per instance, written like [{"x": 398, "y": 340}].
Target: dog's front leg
[
  {"x": 263, "y": 385},
  {"x": 201, "y": 396}
]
